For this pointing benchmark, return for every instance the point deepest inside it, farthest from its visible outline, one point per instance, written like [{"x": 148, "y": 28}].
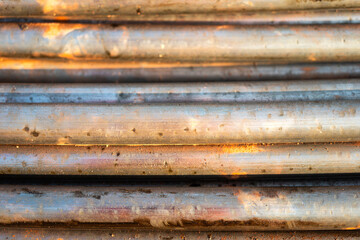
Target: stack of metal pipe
[{"x": 168, "y": 119}]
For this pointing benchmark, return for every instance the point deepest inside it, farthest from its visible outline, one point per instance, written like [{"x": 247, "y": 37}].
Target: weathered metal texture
[
  {"x": 58, "y": 70},
  {"x": 328, "y": 16},
  {"x": 221, "y": 208},
  {"x": 228, "y": 160},
  {"x": 217, "y": 92},
  {"x": 173, "y": 43},
  {"x": 282, "y": 122},
  {"x": 29, "y": 233},
  {"x": 128, "y": 7}
]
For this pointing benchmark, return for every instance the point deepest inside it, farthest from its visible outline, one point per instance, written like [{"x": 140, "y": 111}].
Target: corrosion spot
[
  {"x": 88, "y": 134},
  {"x": 23, "y": 26},
  {"x": 33, "y": 192},
  {"x": 134, "y": 130},
  {"x": 26, "y": 129},
  {"x": 138, "y": 11},
  {"x": 79, "y": 194},
  {"x": 144, "y": 190},
  {"x": 186, "y": 129},
  {"x": 118, "y": 154},
  {"x": 160, "y": 134},
  {"x": 35, "y": 133},
  {"x": 98, "y": 197}
]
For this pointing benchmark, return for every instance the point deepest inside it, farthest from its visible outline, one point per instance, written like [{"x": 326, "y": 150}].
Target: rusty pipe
[
  {"x": 328, "y": 16},
  {"x": 228, "y": 160},
  {"x": 76, "y": 233},
  {"x": 216, "y": 92},
  {"x": 173, "y": 43},
  {"x": 128, "y": 7},
  {"x": 184, "y": 208},
  {"x": 68, "y": 71},
  {"x": 281, "y": 122}
]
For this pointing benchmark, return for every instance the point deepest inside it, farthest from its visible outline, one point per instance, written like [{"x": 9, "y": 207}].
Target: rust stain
[
  {"x": 224, "y": 27},
  {"x": 53, "y": 6},
  {"x": 312, "y": 57},
  {"x": 23, "y": 63},
  {"x": 238, "y": 172},
  {"x": 62, "y": 18},
  {"x": 309, "y": 70},
  {"x": 352, "y": 228},
  {"x": 55, "y": 30},
  {"x": 253, "y": 148}
]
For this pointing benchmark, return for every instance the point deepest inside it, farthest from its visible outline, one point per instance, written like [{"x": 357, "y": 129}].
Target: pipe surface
[
  {"x": 69, "y": 71},
  {"x": 282, "y": 122},
  {"x": 173, "y": 43},
  {"x": 228, "y": 160},
  {"x": 107, "y": 7},
  {"x": 183, "y": 208},
  {"x": 217, "y": 92},
  {"x": 332, "y": 16},
  {"x": 56, "y": 233}
]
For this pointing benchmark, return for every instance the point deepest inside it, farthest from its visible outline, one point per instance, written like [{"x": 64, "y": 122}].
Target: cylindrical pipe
[
  {"x": 228, "y": 160},
  {"x": 188, "y": 208},
  {"x": 333, "y": 16},
  {"x": 173, "y": 43},
  {"x": 58, "y": 70},
  {"x": 228, "y": 92},
  {"x": 78, "y": 233},
  {"x": 282, "y": 122},
  {"x": 128, "y": 7}
]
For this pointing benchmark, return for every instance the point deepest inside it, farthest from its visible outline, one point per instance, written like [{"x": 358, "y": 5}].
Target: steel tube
[
  {"x": 56, "y": 233},
  {"x": 333, "y": 16},
  {"x": 128, "y": 7},
  {"x": 228, "y": 160},
  {"x": 219, "y": 208},
  {"x": 180, "y": 123},
  {"x": 194, "y": 43},
  {"x": 217, "y": 92},
  {"x": 51, "y": 70}
]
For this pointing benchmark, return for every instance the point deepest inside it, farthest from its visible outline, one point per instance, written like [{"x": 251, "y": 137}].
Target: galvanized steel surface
[
  {"x": 56, "y": 233},
  {"x": 282, "y": 122},
  {"x": 327, "y": 16},
  {"x": 69, "y": 71},
  {"x": 225, "y": 160},
  {"x": 190, "y": 130},
  {"x": 108, "y": 7},
  {"x": 222, "y": 208},
  {"x": 216, "y": 92},
  {"x": 173, "y": 43}
]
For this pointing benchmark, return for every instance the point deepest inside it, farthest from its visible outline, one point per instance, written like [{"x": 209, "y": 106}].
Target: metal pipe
[
  {"x": 184, "y": 208},
  {"x": 57, "y": 70},
  {"x": 173, "y": 43},
  {"x": 74, "y": 233},
  {"x": 228, "y": 160},
  {"x": 128, "y": 7},
  {"x": 217, "y": 92},
  {"x": 282, "y": 122},
  {"x": 328, "y": 16}
]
